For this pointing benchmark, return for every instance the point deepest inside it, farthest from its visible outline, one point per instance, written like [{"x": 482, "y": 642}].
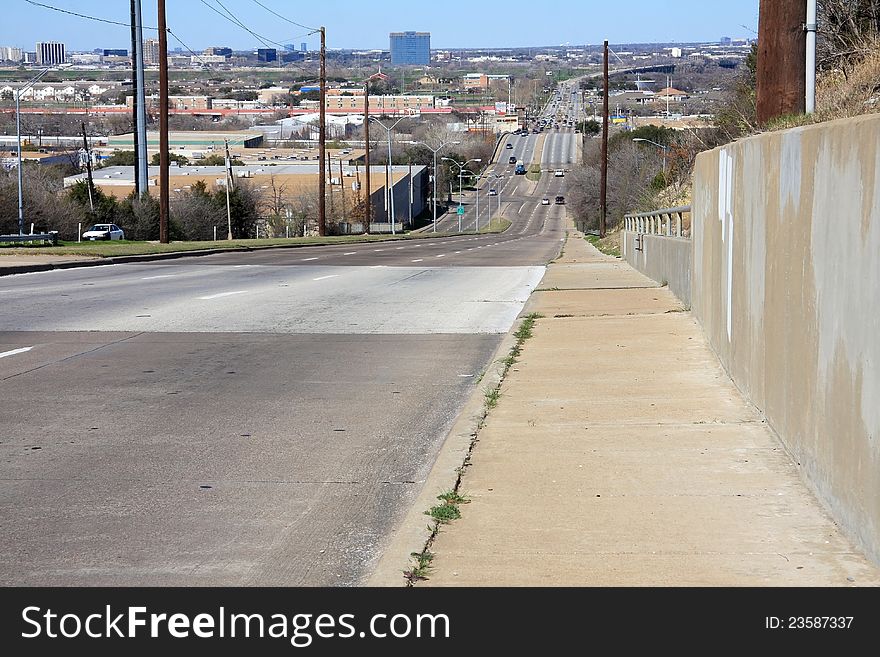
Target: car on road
[
  {"x": 560, "y": 200},
  {"x": 520, "y": 170},
  {"x": 512, "y": 160},
  {"x": 104, "y": 232},
  {"x": 545, "y": 201},
  {"x": 493, "y": 192},
  {"x": 559, "y": 173},
  {"x": 509, "y": 146}
]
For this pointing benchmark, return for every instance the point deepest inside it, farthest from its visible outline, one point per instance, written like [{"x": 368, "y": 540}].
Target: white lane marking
[
  {"x": 378, "y": 267},
  {"x": 418, "y": 259},
  {"x": 521, "y": 208},
  {"x": 307, "y": 259},
  {"x": 350, "y": 253},
  {"x": 457, "y": 252},
  {"x": 15, "y": 351},
  {"x": 377, "y": 250},
  {"x": 222, "y": 294},
  {"x": 324, "y": 278},
  {"x": 442, "y": 255},
  {"x": 152, "y": 278},
  {"x": 400, "y": 247}
]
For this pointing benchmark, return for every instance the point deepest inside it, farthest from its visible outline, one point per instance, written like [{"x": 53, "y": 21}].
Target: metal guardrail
[
  {"x": 51, "y": 238},
  {"x": 666, "y": 222}
]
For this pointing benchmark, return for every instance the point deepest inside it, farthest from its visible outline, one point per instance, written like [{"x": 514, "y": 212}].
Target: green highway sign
[{"x": 460, "y": 209}]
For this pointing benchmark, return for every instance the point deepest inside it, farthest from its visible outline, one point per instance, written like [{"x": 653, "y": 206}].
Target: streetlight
[
  {"x": 434, "y": 185},
  {"x": 499, "y": 178},
  {"x": 461, "y": 166},
  {"x": 658, "y": 146},
  {"x": 389, "y": 187},
  {"x": 30, "y": 83}
]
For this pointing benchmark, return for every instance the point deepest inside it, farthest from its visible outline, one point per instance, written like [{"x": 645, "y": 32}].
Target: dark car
[
  {"x": 512, "y": 160},
  {"x": 560, "y": 200}
]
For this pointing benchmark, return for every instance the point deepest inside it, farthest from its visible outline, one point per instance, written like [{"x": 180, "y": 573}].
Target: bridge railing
[{"x": 668, "y": 222}]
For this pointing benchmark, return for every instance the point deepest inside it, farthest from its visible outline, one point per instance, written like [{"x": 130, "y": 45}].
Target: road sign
[{"x": 460, "y": 209}]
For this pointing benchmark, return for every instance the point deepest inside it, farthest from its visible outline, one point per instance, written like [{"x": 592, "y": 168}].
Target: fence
[{"x": 669, "y": 222}]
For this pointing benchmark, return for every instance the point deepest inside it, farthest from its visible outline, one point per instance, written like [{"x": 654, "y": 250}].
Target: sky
[{"x": 365, "y": 25}]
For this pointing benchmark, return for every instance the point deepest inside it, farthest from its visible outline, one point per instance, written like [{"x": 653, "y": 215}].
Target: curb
[{"x": 414, "y": 530}]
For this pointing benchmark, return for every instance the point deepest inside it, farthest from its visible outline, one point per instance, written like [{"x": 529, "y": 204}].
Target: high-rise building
[
  {"x": 114, "y": 52},
  {"x": 303, "y": 47},
  {"x": 9, "y": 54},
  {"x": 218, "y": 50},
  {"x": 411, "y": 48},
  {"x": 50, "y": 53},
  {"x": 267, "y": 55},
  {"x": 151, "y": 52}
]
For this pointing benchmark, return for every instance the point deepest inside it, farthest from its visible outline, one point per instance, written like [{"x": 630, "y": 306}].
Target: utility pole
[
  {"x": 229, "y": 182},
  {"x": 330, "y": 178},
  {"x": 368, "y": 200},
  {"x": 603, "y": 185},
  {"x": 164, "y": 205},
  {"x": 322, "y": 139},
  {"x": 89, "y": 169},
  {"x": 140, "y": 103},
  {"x": 782, "y": 43},
  {"x": 134, "y": 96},
  {"x": 342, "y": 187}
]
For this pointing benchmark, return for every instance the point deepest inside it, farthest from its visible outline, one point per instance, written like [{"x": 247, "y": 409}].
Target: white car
[
  {"x": 545, "y": 201},
  {"x": 559, "y": 173},
  {"x": 493, "y": 192},
  {"x": 104, "y": 232}
]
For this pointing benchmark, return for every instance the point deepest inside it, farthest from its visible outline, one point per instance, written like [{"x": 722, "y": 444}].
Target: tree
[
  {"x": 121, "y": 159},
  {"x": 172, "y": 157},
  {"x": 217, "y": 160}
]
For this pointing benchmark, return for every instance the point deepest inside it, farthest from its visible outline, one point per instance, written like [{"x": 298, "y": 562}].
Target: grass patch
[
  {"x": 448, "y": 510},
  {"x": 523, "y": 333},
  {"x": 610, "y": 245},
  {"x": 494, "y": 394},
  {"x": 534, "y": 173},
  {"x": 119, "y": 248},
  {"x": 496, "y": 225},
  {"x": 422, "y": 566}
]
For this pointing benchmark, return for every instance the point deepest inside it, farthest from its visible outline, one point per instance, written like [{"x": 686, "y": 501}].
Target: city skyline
[{"x": 199, "y": 24}]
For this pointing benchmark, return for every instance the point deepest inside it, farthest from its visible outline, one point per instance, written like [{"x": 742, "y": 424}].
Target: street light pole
[
  {"x": 389, "y": 180},
  {"x": 434, "y": 151},
  {"x": 461, "y": 167},
  {"x": 28, "y": 85}
]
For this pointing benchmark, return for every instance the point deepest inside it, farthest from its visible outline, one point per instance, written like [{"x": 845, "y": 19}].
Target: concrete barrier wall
[
  {"x": 667, "y": 260},
  {"x": 786, "y": 283}
]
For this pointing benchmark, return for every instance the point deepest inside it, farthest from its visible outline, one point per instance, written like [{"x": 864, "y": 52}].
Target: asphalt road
[{"x": 244, "y": 418}]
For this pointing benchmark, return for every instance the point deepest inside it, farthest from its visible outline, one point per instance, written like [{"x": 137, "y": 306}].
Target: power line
[
  {"x": 235, "y": 21},
  {"x": 284, "y": 18},
  {"x": 91, "y": 18},
  {"x": 191, "y": 52}
]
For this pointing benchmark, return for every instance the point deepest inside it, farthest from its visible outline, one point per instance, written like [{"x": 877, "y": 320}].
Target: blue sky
[{"x": 452, "y": 24}]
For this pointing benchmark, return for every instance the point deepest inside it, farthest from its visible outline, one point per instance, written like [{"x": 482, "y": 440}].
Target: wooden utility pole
[
  {"x": 164, "y": 205},
  {"x": 368, "y": 198},
  {"x": 322, "y": 140},
  {"x": 91, "y": 182},
  {"x": 603, "y": 191},
  {"x": 782, "y": 45}
]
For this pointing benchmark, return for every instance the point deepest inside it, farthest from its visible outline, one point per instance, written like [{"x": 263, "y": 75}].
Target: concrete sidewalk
[{"x": 621, "y": 454}]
